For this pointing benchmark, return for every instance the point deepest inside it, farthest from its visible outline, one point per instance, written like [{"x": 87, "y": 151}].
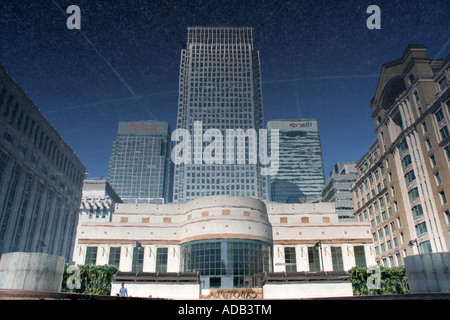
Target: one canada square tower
[{"x": 220, "y": 89}]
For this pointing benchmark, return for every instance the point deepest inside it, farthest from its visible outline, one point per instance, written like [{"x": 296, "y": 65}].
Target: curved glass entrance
[{"x": 227, "y": 263}]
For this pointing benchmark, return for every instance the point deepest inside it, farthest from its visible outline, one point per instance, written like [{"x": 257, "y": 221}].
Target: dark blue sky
[{"x": 318, "y": 60}]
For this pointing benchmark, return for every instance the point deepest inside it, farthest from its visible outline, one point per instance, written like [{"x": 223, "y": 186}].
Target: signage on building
[
  {"x": 301, "y": 124},
  {"x": 135, "y": 127},
  {"x": 234, "y": 293}
]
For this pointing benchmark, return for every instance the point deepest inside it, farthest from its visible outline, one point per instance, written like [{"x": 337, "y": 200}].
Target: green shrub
[
  {"x": 94, "y": 279},
  {"x": 393, "y": 281}
]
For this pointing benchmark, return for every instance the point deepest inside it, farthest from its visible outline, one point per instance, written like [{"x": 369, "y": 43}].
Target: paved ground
[{"x": 38, "y": 295}]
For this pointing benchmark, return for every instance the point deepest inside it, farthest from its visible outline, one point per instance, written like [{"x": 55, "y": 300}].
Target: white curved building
[{"x": 231, "y": 241}]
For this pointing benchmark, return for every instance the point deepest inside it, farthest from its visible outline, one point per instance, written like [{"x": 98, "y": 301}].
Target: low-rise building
[{"x": 230, "y": 241}]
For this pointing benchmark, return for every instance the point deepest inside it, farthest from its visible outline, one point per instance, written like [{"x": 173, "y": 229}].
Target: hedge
[
  {"x": 93, "y": 279},
  {"x": 393, "y": 281}
]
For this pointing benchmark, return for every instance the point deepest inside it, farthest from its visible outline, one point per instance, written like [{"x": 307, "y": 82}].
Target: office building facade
[
  {"x": 337, "y": 189},
  {"x": 404, "y": 180},
  {"x": 140, "y": 166},
  {"x": 300, "y": 176},
  {"x": 40, "y": 178},
  {"x": 219, "y": 88}
]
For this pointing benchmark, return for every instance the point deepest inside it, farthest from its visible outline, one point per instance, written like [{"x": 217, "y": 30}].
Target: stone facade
[
  {"x": 40, "y": 178},
  {"x": 404, "y": 180}
]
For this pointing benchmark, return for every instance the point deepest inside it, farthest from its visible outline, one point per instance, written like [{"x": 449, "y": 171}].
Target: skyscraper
[
  {"x": 220, "y": 88},
  {"x": 140, "y": 166},
  {"x": 300, "y": 174}
]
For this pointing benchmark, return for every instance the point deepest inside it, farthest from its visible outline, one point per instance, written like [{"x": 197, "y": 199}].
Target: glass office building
[
  {"x": 300, "y": 175},
  {"x": 220, "y": 87},
  {"x": 140, "y": 166}
]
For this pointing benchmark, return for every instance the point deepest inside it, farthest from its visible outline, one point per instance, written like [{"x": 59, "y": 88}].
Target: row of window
[
  {"x": 17, "y": 117},
  {"x": 137, "y": 258},
  {"x": 373, "y": 184},
  {"x": 23, "y": 208},
  {"x": 315, "y": 258}
]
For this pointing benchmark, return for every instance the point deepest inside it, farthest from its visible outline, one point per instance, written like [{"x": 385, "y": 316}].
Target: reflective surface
[{"x": 227, "y": 263}]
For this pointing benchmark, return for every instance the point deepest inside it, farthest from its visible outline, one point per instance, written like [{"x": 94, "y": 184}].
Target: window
[
  {"x": 241, "y": 259},
  {"x": 439, "y": 115},
  {"x": 314, "y": 258},
  {"x": 8, "y": 137},
  {"x": 360, "y": 256},
  {"x": 444, "y": 132},
  {"x": 443, "y": 197},
  {"x": 415, "y": 93},
  {"x": 336, "y": 257},
  {"x": 428, "y": 143},
  {"x": 406, "y": 161},
  {"x": 386, "y": 230},
  {"x": 425, "y": 247},
  {"x": 138, "y": 259},
  {"x": 413, "y": 194},
  {"x": 437, "y": 177},
  {"x": 424, "y": 127},
  {"x": 91, "y": 255},
  {"x": 22, "y": 208},
  {"x": 421, "y": 228},
  {"x": 403, "y": 146},
  {"x": 290, "y": 259},
  {"x": 114, "y": 256},
  {"x": 409, "y": 177},
  {"x": 417, "y": 211},
  {"x": 161, "y": 259},
  {"x": 392, "y": 224},
  {"x": 447, "y": 151},
  {"x": 443, "y": 83}
]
